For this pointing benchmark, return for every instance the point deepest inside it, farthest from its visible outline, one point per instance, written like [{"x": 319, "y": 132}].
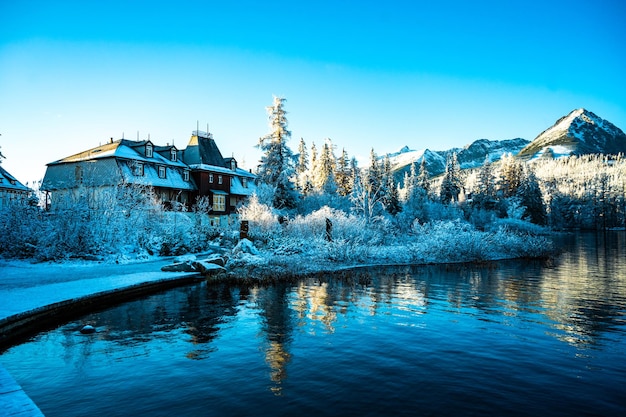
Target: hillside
[
  {"x": 471, "y": 156},
  {"x": 581, "y": 132}
]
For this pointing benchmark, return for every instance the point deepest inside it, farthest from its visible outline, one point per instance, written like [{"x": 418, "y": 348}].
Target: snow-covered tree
[
  {"x": 510, "y": 175},
  {"x": 452, "y": 183},
  {"x": 303, "y": 158},
  {"x": 485, "y": 189},
  {"x": 276, "y": 167},
  {"x": 374, "y": 174},
  {"x": 423, "y": 177},
  {"x": 389, "y": 190},
  {"x": 531, "y": 197},
  {"x": 324, "y": 174},
  {"x": 343, "y": 174},
  {"x": 302, "y": 169}
]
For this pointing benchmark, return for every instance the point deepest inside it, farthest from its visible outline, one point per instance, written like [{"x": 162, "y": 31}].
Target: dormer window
[
  {"x": 173, "y": 153},
  {"x": 244, "y": 182},
  {"x": 138, "y": 169},
  {"x": 233, "y": 164},
  {"x": 161, "y": 171},
  {"x": 149, "y": 150},
  {"x": 186, "y": 175}
]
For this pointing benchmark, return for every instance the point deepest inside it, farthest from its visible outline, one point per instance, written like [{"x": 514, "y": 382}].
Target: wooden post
[
  {"x": 243, "y": 229},
  {"x": 329, "y": 230}
]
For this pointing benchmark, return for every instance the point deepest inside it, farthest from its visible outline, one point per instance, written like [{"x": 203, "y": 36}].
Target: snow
[
  {"x": 25, "y": 286},
  {"x": 406, "y": 158}
]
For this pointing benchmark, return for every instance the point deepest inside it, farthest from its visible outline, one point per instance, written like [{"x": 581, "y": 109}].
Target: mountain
[
  {"x": 474, "y": 155},
  {"x": 471, "y": 156},
  {"x": 580, "y": 132}
]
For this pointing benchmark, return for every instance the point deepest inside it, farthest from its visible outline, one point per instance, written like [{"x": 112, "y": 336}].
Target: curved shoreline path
[{"x": 36, "y": 295}]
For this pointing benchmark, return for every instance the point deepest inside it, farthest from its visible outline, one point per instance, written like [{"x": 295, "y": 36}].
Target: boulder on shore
[
  {"x": 186, "y": 266},
  {"x": 206, "y": 267}
]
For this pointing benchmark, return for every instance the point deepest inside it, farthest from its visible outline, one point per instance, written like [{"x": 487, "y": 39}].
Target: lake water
[{"x": 511, "y": 338}]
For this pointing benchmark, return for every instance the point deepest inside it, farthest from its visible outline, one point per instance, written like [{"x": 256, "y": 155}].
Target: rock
[
  {"x": 245, "y": 246},
  {"x": 88, "y": 329},
  {"x": 187, "y": 266},
  {"x": 206, "y": 267},
  {"x": 215, "y": 259}
]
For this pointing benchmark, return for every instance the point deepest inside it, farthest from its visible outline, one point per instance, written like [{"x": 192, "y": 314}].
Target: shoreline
[{"x": 247, "y": 267}]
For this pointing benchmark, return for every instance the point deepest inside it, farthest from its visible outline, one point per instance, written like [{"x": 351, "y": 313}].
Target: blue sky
[{"x": 365, "y": 74}]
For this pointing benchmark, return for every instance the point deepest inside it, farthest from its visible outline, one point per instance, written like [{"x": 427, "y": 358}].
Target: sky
[{"x": 366, "y": 74}]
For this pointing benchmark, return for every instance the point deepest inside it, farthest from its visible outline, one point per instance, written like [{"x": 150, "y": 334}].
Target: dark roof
[{"x": 202, "y": 149}]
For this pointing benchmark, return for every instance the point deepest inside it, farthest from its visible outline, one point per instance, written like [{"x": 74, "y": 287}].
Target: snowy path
[{"x": 25, "y": 287}]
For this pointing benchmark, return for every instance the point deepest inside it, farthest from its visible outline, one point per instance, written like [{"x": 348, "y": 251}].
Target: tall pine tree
[
  {"x": 452, "y": 183},
  {"x": 276, "y": 167}
]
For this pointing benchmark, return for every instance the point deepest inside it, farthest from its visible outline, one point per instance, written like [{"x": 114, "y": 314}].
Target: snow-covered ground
[
  {"x": 26, "y": 286},
  {"x": 301, "y": 248}
]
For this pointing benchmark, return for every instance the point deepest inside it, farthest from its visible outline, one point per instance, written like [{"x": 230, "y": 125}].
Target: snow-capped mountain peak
[{"x": 580, "y": 132}]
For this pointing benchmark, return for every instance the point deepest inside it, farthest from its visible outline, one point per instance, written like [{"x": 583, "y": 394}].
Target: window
[
  {"x": 219, "y": 202},
  {"x": 244, "y": 182},
  {"x": 186, "y": 175},
  {"x": 148, "y": 150},
  {"x": 138, "y": 169},
  {"x": 233, "y": 164},
  {"x": 78, "y": 173},
  {"x": 219, "y": 179},
  {"x": 161, "y": 171},
  {"x": 173, "y": 152},
  {"x": 211, "y": 178}
]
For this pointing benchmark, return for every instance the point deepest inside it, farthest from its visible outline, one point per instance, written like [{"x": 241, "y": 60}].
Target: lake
[{"x": 511, "y": 338}]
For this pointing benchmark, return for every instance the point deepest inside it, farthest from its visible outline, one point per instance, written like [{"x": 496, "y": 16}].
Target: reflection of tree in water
[
  {"x": 206, "y": 310},
  {"x": 278, "y": 324},
  {"x": 197, "y": 309}
]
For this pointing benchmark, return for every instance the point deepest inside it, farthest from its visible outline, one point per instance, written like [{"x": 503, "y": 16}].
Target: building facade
[
  {"x": 178, "y": 177},
  {"x": 11, "y": 190}
]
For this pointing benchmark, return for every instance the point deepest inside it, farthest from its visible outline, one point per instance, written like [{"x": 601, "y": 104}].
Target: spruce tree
[
  {"x": 276, "y": 167},
  {"x": 531, "y": 197},
  {"x": 303, "y": 158},
  {"x": 485, "y": 191},
  {"x": 452, "y": 182},
  {"x": 423, "y": 178},
  {"x": 343, "y": 175},
  {"x": 510, "y": 177}
]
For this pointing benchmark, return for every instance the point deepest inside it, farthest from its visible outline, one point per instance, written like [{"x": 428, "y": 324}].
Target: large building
[
  {"x": 179, "y": 177},
  {"x": 11, "y": 190}
]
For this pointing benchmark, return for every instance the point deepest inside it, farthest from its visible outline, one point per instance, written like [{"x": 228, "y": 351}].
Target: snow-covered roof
[
  {"x": 119, "y": 149},
  {"x": 173, "y": 177},
  {"x": 222, "y": 170},
  {"x": 238, "y": 188},
  {"x": 8, "y": 182}
]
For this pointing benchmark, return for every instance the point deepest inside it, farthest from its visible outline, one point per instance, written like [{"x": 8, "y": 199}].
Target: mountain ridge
[{"x": 579, "y": 132}]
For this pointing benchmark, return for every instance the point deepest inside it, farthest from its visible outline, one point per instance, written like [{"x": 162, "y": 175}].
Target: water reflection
[
  {"x": 581, "y": 295},
  {"x": 579, "y": 299}
]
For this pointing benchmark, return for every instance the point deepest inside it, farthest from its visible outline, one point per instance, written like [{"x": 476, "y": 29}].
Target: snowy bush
[{"x": 261, "y": 218}]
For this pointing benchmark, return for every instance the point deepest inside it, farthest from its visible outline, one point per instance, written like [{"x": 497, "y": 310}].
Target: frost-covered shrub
[
  {"x": 262, "y": 219},
  {"x": 452, "y": 241},
  {"x": 19, "y": 229},
  {"x": 516, "y": 226},
  {"x": 437, "y": 211},
  {"x": 480, "y": 217}
]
